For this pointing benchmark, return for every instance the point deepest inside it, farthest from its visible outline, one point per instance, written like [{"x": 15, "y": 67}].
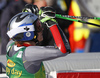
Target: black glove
[
  {"x": 47, "y": 15},
  {"x": 31, "y": 8}
]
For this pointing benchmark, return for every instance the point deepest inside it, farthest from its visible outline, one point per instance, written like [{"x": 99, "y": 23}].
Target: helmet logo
[
  {"x": 26, "y": 28},
  {"x": 28, "y": 34}
]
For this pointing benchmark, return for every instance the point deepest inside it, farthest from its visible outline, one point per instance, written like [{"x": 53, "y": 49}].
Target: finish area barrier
[{"x": 74, "y": 65}]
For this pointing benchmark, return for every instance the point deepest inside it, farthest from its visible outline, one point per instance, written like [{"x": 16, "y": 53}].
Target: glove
[
  {"x": 31, "y": 8},
  {"x": 47, "y": 15}
]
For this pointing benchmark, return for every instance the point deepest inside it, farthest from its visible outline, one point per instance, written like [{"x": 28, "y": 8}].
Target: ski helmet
[{"x": 23, "y": 27}]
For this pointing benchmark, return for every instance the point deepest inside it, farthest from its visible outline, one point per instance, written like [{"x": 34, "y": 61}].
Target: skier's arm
[
  {"x": 39, "y": 53},
  {"x": 36, "y": 53},
  {"x": 47, "y": 15}
]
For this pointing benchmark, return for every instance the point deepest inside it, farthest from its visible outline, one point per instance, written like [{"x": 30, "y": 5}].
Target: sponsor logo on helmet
[
  {"x": 10, "y": 63},
  {"x": 20, "y": 18},
  {"x": 28, "y": 34}
]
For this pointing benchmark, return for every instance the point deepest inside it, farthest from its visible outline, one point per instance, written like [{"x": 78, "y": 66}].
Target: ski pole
[
  {"x": 79, "y": 17},
  {"x": 66, "y": 18}
]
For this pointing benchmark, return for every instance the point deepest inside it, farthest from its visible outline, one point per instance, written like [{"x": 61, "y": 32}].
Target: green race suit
[{"x": 15, "y": 69}]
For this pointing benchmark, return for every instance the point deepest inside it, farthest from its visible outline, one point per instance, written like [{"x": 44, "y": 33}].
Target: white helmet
[{"x": 22, "y": 27}]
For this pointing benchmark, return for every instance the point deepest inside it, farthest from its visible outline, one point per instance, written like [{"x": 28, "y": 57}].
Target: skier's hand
[
  {"x": 47, "y": 16},
  {"x": 31, "y": 8}
]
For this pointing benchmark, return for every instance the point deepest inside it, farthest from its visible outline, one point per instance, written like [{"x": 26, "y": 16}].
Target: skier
[{"x": 24, "y": 56}]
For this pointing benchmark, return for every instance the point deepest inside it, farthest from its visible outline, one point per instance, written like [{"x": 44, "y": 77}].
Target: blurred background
[{"x": 82, "y": 37}]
